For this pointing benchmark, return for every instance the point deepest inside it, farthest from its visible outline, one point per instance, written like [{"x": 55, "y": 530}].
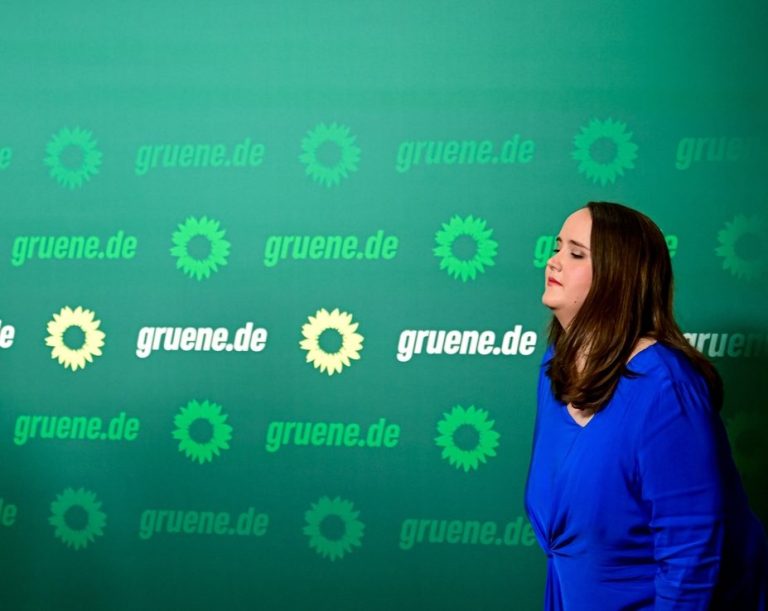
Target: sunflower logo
[
  {"x": 330, "y": 153},
  {"x": 341, "y": 326},
  {"x": 483, "y": 248},
  {"x": 72, "y": 156},
  {"x": 592, "y": 142},
  {"x": 77, "y": 517},
  {"x": 90, "y": 337},
  {"x": 332, "y": 527},
  {"x": 215, "y": 246},
  {"x": 202, "y": 430},
  {"x": 731, "y": 236},
  {"x": 461, "y": 452}
]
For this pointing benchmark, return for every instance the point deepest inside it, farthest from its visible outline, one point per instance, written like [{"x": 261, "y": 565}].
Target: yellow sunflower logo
[
  {"x": 74, "y": 352},
  {"x": 330, "y": 340}
]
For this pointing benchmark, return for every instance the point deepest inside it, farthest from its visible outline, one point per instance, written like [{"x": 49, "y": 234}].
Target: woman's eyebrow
[{"x": 574, "y": 242}]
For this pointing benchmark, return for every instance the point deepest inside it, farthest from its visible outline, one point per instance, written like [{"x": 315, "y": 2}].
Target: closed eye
[{"x": 573, "y": 254}]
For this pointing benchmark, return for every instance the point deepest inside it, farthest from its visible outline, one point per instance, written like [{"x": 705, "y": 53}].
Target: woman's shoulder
[
  {"x": 655, "y": 362},
  {"x": 661, "y": 367},
  {"x": 660, "y": 360}
]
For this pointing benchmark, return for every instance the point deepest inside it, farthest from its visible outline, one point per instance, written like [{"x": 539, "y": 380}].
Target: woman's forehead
[{"x": 578, "y": 226}]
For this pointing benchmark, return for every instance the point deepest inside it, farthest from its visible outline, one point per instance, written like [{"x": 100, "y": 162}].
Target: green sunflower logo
[
  {"x": 72, "y": 156},
  {"x": 347, "y": 342},
  {"x": 89, "y": 338},
  {"x": 332, "y": 527},
  {"x": 330, "y": 153},
  {"x": 604, "y": 149},
  {"x": 77, "y": 517},
  {"x": 466, "y": 264},
  {"x": 732, "y": 238},
  {"x": 198, "y": 260},
  {"x": 202, "y": 430},
  {"x": 467, "y": 437}
]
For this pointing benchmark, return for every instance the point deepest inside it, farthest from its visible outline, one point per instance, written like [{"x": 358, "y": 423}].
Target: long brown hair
[{"x": 630, "y": 297}]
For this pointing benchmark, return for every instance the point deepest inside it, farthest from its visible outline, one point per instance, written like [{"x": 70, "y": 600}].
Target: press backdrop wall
[{"x": 355, "y": 202}]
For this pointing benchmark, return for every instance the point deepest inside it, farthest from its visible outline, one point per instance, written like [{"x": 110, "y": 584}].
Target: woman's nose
[{"x": 552, "y": 261}]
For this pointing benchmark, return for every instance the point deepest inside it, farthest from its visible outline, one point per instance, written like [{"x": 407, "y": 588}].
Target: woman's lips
[{"x": 553, "y": 281}]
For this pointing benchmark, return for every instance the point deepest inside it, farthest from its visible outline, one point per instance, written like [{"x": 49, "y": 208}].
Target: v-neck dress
[{"x": 642, "y": 507}]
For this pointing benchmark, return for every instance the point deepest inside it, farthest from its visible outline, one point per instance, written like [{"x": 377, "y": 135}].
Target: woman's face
[{"x": 568, "y": 274}]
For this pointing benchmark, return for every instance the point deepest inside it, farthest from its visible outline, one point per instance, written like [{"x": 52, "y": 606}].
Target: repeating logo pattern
[
  {"x": 77, "y": 536},
  {"x": 199, "y": 267},
  {"x": 202, "y": 446},
  {"x": 340, "y": 323},
  {"x": 73, "y": 157},
  {"x": 732, "y": 236},
  {"x": 75, "y": 357},
  {"x": 349, "y": 530},
  {"x": 344, "y": 151},
  {"x": 465, "y": 268},
  {"x": 474, "y": 421},
  {"x": 614, "y": 134},
  {"x": 464, "y": 245}
]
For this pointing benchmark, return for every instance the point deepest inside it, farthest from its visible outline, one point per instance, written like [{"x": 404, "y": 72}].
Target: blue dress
[{"x": 643, "y": 507}]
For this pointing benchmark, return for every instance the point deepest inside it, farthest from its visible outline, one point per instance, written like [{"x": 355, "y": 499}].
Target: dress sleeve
[{"x": 682, "y": 488}]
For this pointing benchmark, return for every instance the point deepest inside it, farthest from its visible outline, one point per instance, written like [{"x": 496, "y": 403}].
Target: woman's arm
[{"x": 681, "y": 484}]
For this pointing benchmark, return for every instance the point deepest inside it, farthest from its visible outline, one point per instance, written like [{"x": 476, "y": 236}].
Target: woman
[{"x": 632, "y": 491}]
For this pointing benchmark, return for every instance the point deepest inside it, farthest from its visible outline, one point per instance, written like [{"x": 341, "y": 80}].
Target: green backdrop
[{"x": 368, "y": 192}]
